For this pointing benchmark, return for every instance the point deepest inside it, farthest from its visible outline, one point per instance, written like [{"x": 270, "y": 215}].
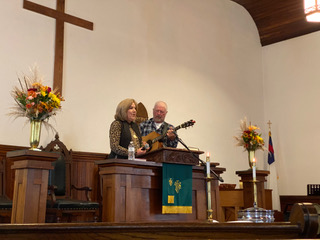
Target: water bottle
[{"x": 131, "y": 151}]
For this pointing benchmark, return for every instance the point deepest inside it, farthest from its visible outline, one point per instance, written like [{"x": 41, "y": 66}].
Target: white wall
[
  {"x": 203, "y": 58},
  {"x": 291, "y": 89}
]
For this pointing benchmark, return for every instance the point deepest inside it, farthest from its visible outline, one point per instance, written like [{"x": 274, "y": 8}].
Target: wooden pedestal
[
  {"x": 247, "y": 181},
  {"x": 30, "y": 185}
]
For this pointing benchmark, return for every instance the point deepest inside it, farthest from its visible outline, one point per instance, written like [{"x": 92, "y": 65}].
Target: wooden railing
[{"x": 167, "y": 231}]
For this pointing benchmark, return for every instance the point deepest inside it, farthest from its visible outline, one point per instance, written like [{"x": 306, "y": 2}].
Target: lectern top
[
  {"x": 32, "y": 155},
  {"x": 173, "y": 155}
]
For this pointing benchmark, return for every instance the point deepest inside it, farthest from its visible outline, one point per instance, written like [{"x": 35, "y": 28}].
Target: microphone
[{"x": 145, "y": 147}]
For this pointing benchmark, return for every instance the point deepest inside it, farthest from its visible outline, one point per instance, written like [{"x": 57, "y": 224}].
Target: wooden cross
[
  {"x": 61, "y": 17},
  {"x": 269, "y": 123}
]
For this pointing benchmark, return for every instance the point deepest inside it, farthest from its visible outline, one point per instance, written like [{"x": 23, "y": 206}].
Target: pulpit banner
[{"x": 176, "y": 188}]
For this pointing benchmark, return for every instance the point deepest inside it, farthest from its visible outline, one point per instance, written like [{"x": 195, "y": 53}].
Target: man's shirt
[{"x": 149, "y": 126}]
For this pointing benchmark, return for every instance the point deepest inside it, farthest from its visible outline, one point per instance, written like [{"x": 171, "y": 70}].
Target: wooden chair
[
  {"x": 61, "y": 207},
  {"x": 142, "y": 113}
]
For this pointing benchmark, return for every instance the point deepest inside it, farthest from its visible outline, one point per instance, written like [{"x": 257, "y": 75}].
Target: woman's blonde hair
[{"x": 122, "y": 109}]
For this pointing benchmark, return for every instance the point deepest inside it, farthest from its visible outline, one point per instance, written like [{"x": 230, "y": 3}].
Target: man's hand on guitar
[
  {"x": 171, "y": 134},
  {"x": 140, "y": 151},
  {"x": 146, "y": 146}
]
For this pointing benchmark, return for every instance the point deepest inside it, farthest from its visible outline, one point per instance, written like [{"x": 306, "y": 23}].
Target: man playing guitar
[{"x": 158, "y": 126}]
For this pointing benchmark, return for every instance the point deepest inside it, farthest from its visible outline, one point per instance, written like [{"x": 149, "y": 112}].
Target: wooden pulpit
[
  {"x": 173, "y": 155},
  {"x": 30, "y": 184},
  {"x": 247, "y": 181},
  {"x": 132, "y": 189}
]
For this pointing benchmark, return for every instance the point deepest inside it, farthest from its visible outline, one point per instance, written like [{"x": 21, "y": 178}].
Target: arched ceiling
[{"x": 278, "y": 20}]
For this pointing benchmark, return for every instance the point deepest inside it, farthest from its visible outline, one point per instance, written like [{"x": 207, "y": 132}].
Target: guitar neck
[
  {"x": 184, "y": 125},
  {"x": 162, "y": 136},
  {"x": 177, "y": 128},
  {"x": 157, "y": 139}
]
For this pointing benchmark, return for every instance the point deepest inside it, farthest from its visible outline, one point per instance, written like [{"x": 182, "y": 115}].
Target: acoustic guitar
[{"x": 153, "y": 138}]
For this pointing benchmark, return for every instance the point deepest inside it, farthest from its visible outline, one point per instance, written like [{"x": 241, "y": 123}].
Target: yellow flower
[
  {"x": 55, "y": 99},
  {"x": 252, "y": 128},
  {"x": 259, "y": 139}
]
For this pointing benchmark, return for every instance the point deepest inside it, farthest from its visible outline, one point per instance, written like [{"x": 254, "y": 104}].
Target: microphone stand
[
  {"x": 208, "y": 180},
  {"x": 201, "y": 161}
]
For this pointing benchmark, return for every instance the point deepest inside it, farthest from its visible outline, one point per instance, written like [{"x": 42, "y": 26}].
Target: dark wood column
[
  {"x": 247, "y": 181},
  {"x": 30, "y": 185}
]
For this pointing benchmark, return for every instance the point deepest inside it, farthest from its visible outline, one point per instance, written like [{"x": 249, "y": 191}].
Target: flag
[
  {"x": 176, "y": 188},
  {"x": 271, "y": 151},
  {"x": 273, "y": 177}
]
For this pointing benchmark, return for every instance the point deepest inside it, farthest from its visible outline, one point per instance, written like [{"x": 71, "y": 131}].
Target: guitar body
[
  {"x": 150, "y": 138},
  {"x": 153, "y": 138}
]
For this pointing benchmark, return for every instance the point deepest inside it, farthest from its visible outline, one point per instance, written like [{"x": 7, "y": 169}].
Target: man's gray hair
[{"x": 161, "y": 103}]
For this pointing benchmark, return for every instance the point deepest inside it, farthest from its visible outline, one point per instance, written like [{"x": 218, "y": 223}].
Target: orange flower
[{"x": 28, "y": 105}]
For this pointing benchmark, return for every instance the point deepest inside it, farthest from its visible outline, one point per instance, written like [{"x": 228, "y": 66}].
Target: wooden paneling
[
  {"x": 85, "y": 173},
  {"x": 8, "y": 172},
  {"x": 231, "y": 201},
  {"x": 278, "y": 20},
  {"x": 1, "y": 177},
  {"x": 268, "y": 195},
  {"x": 84, "y": 170}
]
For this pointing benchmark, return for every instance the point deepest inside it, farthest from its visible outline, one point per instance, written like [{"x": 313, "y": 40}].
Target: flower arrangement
[
  {"x": 34, "y": 100},
  {"x": 249, "y": 138}
]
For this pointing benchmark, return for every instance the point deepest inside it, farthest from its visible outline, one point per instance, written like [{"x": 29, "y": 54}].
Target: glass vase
[
  {"x": 35, "y": 132},
  {"x": 251, "y": 154}
]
